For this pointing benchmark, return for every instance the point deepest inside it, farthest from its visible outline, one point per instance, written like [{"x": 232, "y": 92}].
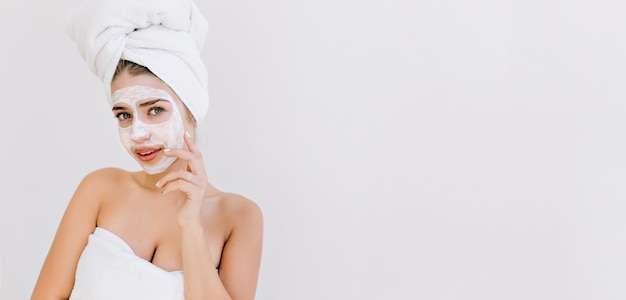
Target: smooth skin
[{"x": 176, "y": 220}]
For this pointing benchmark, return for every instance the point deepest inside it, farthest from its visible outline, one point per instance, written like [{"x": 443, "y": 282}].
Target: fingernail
[
  {"x": 157, "y": 184},
  {"x": 187, "y": 134},
  {"x": 167, "y": 150}
]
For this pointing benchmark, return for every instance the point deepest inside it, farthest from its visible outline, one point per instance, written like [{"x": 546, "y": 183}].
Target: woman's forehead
[{"x": 135, "y": 93}]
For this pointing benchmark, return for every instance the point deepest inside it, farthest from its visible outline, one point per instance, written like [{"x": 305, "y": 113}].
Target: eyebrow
[
  {"x": 151, "y": 102},
  {"x": 116, "y": 108}
]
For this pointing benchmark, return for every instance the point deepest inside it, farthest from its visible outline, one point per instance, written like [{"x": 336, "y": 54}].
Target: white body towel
[{"x": 109, "y": 269}]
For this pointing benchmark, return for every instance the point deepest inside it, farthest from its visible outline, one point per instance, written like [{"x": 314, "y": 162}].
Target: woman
[{"x": 164, "y": 232}]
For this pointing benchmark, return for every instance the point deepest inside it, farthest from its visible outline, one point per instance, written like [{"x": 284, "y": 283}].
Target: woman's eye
[
  {"x": 123, "y": 116},
  {"x": 155, "y": 110}
]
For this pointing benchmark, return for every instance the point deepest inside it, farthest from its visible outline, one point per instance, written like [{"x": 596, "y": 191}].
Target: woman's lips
[{"x": 147, "y": 154}]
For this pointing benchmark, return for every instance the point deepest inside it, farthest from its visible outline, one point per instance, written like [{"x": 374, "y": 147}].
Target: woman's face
[{"x": 149, "y": 118}]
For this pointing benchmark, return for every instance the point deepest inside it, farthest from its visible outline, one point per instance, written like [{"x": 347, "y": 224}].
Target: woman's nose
[{"x": 139, "y": 132}]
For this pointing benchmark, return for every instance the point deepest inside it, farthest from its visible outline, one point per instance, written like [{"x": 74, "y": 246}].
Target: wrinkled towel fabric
[
  {"x": 163, "y": 35},
  {"x": 109, "y": 269}
]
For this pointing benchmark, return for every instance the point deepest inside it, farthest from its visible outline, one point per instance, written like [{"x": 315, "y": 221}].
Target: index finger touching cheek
[{"x": 190, "y": 143}]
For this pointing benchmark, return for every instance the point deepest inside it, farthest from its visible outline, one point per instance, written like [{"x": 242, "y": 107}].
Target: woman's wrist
[
  {"x": 190, "y": 217},
  {"x": 191, "y": 226}
]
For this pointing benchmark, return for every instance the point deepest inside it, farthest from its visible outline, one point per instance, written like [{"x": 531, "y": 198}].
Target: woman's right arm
[{"x": 56, "y": 278}]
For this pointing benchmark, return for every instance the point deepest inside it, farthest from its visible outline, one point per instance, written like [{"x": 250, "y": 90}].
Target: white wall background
[{"x": 399, "y": 149}]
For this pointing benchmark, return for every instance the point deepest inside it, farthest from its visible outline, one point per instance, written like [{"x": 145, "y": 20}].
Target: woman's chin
[{"x": 158, "y": 166}]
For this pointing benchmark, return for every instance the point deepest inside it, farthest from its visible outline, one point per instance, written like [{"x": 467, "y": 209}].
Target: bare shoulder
[
  {"x": 99, "y": 185},
  {"x": 103, "y": 179},
  {"x": 108, "y": 174},
  {"x": 239, "y": 210},
  {"x": 80, "y": 218},
  {"x": 238, "y": 205}
]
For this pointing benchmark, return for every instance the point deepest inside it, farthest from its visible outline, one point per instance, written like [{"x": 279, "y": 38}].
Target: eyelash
[
  {"x": 120, "y": 115},
  {"x": 123, "y": 116},
  {"x": 161, "y": 110}
]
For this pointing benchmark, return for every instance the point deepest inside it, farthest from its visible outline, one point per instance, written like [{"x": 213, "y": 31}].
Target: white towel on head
[{"x": 163, "y": 35}]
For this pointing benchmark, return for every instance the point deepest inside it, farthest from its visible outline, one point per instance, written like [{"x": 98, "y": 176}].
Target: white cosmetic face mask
[{"x": 142, "y": 134}]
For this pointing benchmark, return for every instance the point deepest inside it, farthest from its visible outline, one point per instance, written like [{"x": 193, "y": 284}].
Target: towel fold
[
  {"x": 109, "y": 269},
  {"x": 163, "y": 35}
]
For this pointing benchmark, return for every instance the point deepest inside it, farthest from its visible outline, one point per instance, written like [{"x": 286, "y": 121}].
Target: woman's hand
[{"x": 193, "y": 182}]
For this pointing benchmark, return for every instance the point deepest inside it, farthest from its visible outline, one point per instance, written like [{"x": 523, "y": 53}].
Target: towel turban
[{"x": 163, "y": 35}]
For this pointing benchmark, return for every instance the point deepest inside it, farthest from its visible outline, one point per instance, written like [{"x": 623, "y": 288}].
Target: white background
[{"x": 399, "y": 149}]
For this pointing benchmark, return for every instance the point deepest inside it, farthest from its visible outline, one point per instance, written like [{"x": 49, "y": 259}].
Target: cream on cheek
[{"x": 144, "y": 135}]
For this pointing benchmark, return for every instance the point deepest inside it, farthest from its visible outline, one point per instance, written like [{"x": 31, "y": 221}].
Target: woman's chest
[{"x": 150, "y": 228}]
